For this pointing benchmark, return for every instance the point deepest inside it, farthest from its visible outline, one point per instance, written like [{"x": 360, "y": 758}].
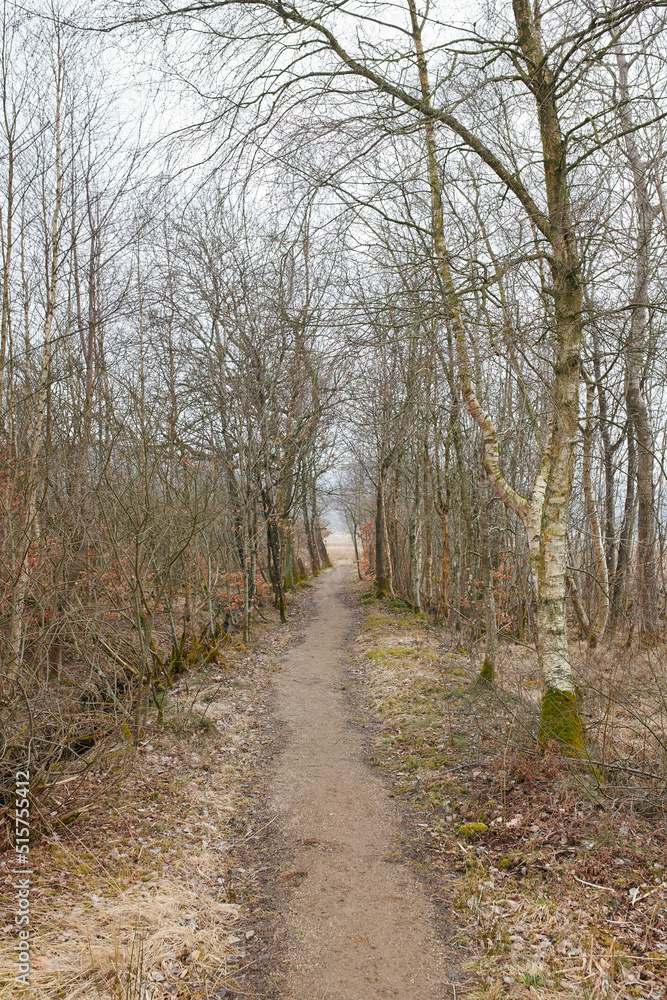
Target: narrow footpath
[{"x": 360, "y": 926}]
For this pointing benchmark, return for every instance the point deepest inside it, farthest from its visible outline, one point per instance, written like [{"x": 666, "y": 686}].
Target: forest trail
[{"x": 360, "y": 926}]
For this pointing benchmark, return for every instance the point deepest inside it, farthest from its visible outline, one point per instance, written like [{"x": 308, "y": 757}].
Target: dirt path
[{"x": 360, "y": 925}]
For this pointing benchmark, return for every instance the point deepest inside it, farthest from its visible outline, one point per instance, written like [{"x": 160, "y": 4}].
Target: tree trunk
[
  {"x": 382, "y": 585},
  {"x": 246, "y": 587},
  {"x": 355, "y": 543},
  {"x": 415, "y": 569},
  {"x": 442, "y": 510},
  {"x": 444, "y": 566},
  {"x": 310, "y": 540},
  {"x": 575, "y": 597},
  {"x": 274, "y": 550},
  {"x": 289, "y": 578},
  {"x": 599, "y": 623},
  {"x": 319, "y": 541},
  {"x": 20, "y": 589},
  {"x": 488, "y": 671},
  {"x": 545, "y": 515},
  {"x": 619, "y": 601},
  {"x": 322, "y": 554},
  {"x": 638, "y": 412},
  {"x": 254, "y": 552},
  {"x": 608, "y": 464}
]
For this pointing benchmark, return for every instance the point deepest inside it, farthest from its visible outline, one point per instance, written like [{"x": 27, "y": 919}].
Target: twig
[
  {"x": 113, "y": 655},
  {"x": 594, "y": 885},
  {"x": 256, "y": 832}
]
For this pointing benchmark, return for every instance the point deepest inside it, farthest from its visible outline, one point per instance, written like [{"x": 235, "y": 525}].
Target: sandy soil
[{"x": 360, "y": 926}]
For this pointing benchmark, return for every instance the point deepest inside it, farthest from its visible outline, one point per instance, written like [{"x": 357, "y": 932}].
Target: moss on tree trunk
[
  {"x": 487, "y": 673},
  {"x": 561, "y": 722}
]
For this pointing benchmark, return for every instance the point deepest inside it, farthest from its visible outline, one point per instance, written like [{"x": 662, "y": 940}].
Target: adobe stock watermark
[{"x": 22, "y": 869}]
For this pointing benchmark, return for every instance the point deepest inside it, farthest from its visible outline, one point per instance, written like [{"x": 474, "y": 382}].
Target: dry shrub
[{"x": 66, "y": 751}]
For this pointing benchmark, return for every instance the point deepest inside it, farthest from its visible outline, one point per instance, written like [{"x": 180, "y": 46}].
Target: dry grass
[
  {"x": 153, "y": 932},
  {"x": 564, "y": 894},
  {"x": 340, "y": 547},
  {"x": 140, "y": 898}
]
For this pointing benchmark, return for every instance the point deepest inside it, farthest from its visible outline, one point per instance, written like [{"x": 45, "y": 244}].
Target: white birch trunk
[{"x": 545, "y": 514}]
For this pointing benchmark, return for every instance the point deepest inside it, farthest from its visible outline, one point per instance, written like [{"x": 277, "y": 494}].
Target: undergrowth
[
  {"x": 561, "y": 868},
  {"x": 140, "y": 896}
]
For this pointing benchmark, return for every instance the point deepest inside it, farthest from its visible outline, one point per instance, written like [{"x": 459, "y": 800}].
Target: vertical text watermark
[{"x": 23, "y": 872}]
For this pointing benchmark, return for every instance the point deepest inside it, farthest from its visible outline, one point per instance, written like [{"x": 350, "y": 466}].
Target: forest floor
[{"x": 339, "y": 811}]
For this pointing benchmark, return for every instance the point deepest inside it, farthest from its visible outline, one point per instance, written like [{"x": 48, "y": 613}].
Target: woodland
[{"x": 267, "y": 264}]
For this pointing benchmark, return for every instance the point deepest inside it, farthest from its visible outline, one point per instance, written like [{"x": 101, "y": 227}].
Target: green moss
[
  {"x": 398, "y": 602},
  {"x": 486, "y": 674},
  {"x": 510, "y": 862},
  {"x": 472, "y": 830},
  {"x": 561, "y": 721},
  {"x": 377, "y": 622},
  {"x": 392, "y": 652}
]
